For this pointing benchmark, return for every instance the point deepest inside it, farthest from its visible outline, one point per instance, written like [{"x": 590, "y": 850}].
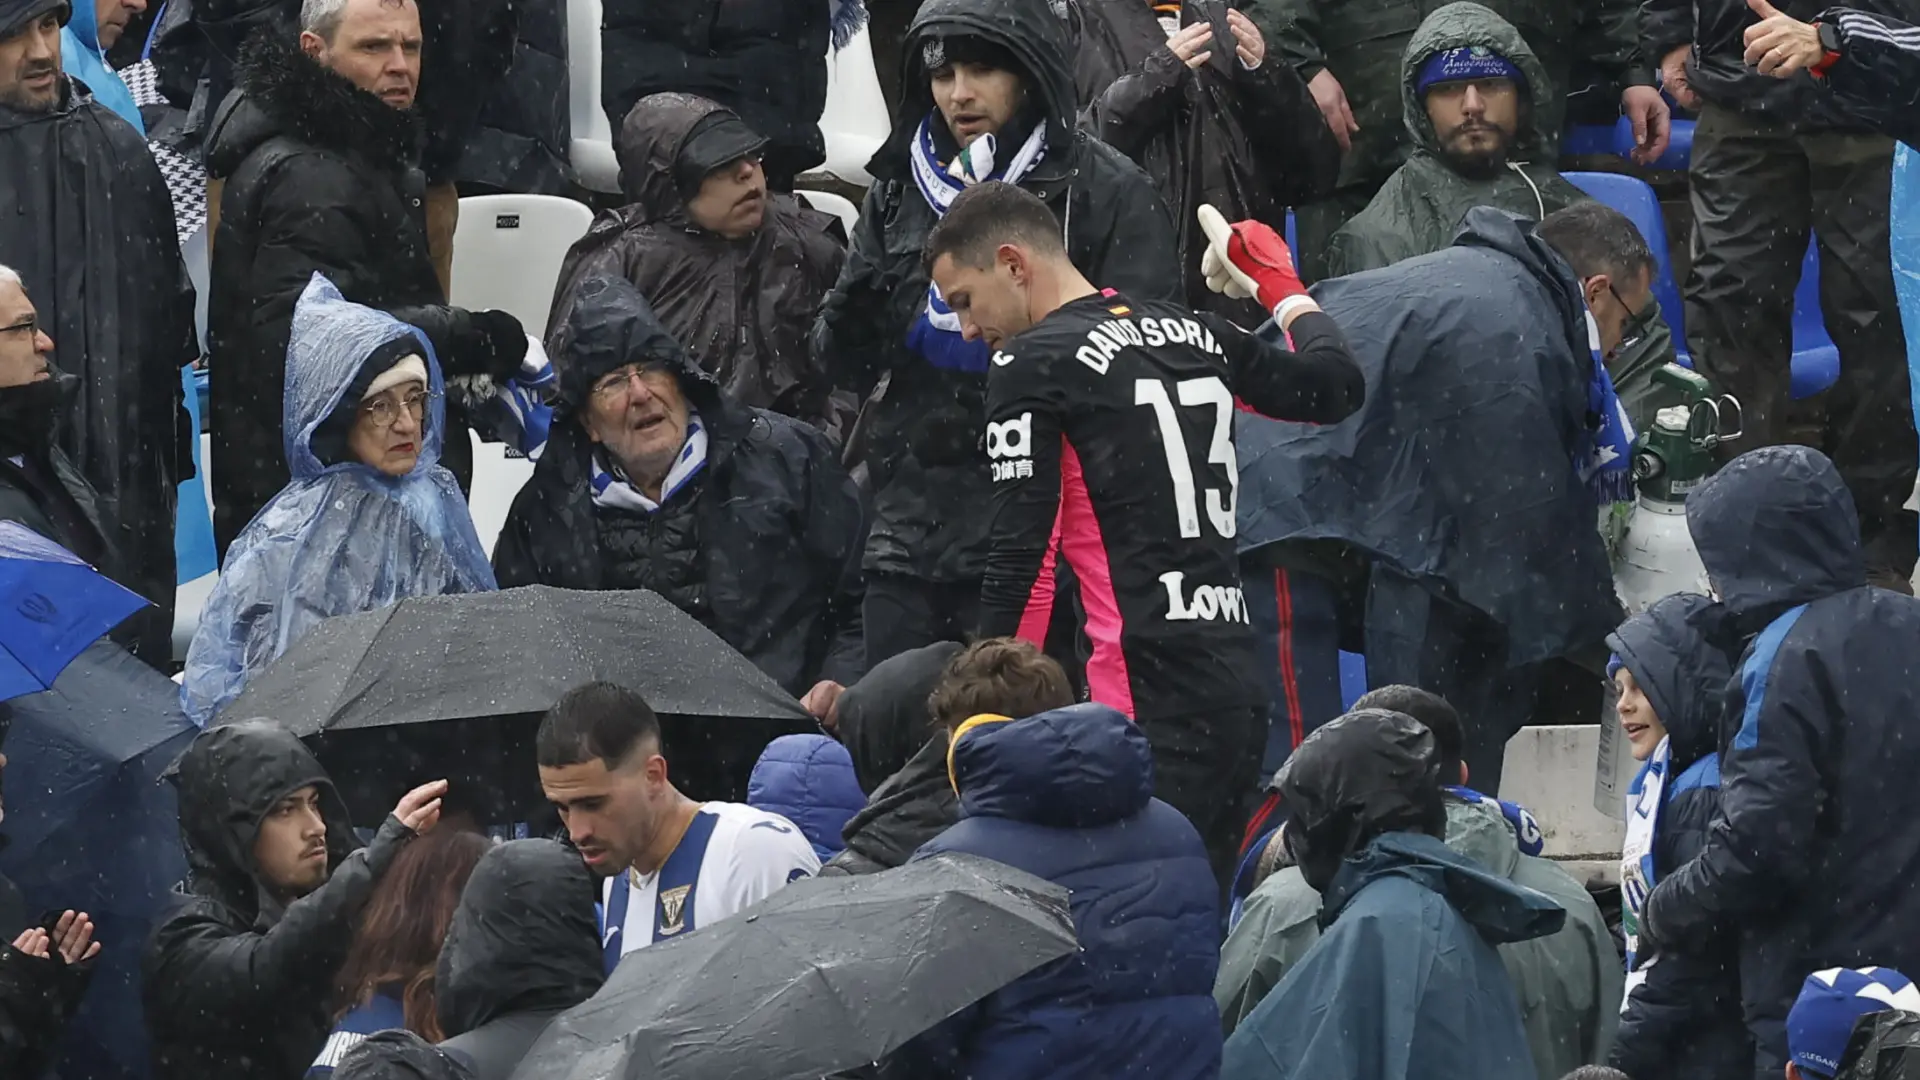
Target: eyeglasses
[
  {"x": 1637, "y": 321},
  {"x": 384, "y": 411},
  {"x": 619, "y": 384},
  {"x": 29, "y": 328}
]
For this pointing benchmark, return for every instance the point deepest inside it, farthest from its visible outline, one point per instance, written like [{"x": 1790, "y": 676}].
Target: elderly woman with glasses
[{"x": 370, "y": 517}]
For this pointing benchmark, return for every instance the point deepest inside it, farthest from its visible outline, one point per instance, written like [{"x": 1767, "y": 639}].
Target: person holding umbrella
[
  {"x": 370, "y": 517},
  {"x": 237, "y": 980}
]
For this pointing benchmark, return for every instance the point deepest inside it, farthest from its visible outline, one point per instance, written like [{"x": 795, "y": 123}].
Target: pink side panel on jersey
[
  {"x": 1108, "y": 681},
  {"x": 1037, "y": 619}
]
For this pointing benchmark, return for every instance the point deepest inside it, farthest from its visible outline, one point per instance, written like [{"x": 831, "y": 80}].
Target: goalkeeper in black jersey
[{"x": 1110, "y": 440}]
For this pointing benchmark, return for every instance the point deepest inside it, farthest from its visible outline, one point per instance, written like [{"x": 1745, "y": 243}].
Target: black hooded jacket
[
  {"x": 235, "y": 984},
  {"x": 762, "y": 545},
  {"x": 924, "y": 436},
  {"x": 884, "y": 723},
  {"x": 88, "y": 224},
  {"x": 1251, "y": 142},
  {"x": 323, "y": 177},
  {"x": 1813, "y": 857},
  {"x": 1684, "y": 1018}
]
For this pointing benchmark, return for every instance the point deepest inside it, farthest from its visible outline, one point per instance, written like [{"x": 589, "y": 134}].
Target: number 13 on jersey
[{"x": 1194, "y": 393}]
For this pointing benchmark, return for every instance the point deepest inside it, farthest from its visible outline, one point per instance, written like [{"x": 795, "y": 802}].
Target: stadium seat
[
  {"x": 507, "y": 252},
  {"x": 1634, "y": 198},
  {"x": 593, "y": 158},
  {"x": 1353, "y": 678},
  {"x": 838, "y": 205},
  {"x": 1588, "y": 140},
  {"x": 855, "y": 121},
  {"x": 193, "y": 518},
  {"x": 1679, "y": 150},
  {"x": 1816, "y": 362}
]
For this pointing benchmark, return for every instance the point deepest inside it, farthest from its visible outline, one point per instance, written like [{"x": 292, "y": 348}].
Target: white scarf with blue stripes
[{"x": 611, "y": 488}]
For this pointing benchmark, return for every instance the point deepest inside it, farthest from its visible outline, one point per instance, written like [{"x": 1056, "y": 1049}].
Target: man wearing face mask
[
  {"x": 655, "y": 478},
  {"x": 734, "y": 271},
  {"x": 988, "y": 95},
  {"x": 1405, "y": 963}
]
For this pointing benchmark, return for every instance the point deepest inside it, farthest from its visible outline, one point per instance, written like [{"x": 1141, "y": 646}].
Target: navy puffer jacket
[{"x": 1068, "y": 795}]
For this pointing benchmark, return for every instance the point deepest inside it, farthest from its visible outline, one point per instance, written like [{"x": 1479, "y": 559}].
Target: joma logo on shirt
[{"x": 1208, "y": 603}]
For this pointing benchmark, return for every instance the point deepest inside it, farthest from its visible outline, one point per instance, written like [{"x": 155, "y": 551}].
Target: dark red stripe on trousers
[{"x": 1289, "y": 678}]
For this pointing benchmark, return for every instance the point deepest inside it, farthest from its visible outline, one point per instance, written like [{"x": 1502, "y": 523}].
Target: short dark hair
[
  {"x": 1596, "y": 1072},
  {"x": 599, "y": 720},
  {"x": 1435, "y": 712},
  {"x": 1596, "y": 239},
  {"x": 1004, "y": 676},
  {"x": 986, "y": 216}
]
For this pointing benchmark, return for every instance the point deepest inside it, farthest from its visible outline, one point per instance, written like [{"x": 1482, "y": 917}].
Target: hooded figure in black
[
  {"x": 1682, "y": 1016},
  {"x": 89, "y": 227},
  {"x": 320, "y": 176},
  {"x": 899, "y": 760},
  {"x": 1813, "y": 856},
  {"x": 523, "y": 948},
  {"x": 756, "y": 528},
  {"x": 921, "y": 438},
  {"x": 237, "y": 979}
]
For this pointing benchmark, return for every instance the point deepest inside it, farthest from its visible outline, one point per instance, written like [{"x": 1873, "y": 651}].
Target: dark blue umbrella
[
  {"x": 52, "y": 605},
  {"x": 90, "y": 827}
]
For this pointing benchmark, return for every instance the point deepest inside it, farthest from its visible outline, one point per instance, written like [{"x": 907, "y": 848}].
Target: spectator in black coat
[
  {"x": 654, "y": 479},
  {"x": 237, "y": 979},
  {"x": 1682, "y": 1014},
  {"x": 1870, "y": 62},
  {"x": 764, "y": 59},
  {"x": 319, "y": 156}
]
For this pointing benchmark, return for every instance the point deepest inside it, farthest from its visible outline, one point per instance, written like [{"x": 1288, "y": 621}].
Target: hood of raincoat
[
  {"x": 82, "y": 57},
  {"x": 1356, "y": 777},
  {"x": 612, "y": 325},
  {"x": 1500, "y": 910},
  {"x": 1029, "y": 30},
  {"x": 883, "y": 718},
  {"x": 1459, "y": 26},
  {"x": 1073, "y": 768},
  {"x": 523, "y": 939},
  {"x": 1776, "y": 527},
  {"x": 228, "y": 780},
  {"x": 649, "y": 144},
  {"x": 338, "y": 539},
  {"x": 1683, "y": 674},
  {"x": 909, "y": 808},
  {"x": 808, "y": 779}
]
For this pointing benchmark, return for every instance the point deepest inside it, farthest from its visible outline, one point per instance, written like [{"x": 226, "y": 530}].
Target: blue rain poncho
[{"x": 340, "y": 538}]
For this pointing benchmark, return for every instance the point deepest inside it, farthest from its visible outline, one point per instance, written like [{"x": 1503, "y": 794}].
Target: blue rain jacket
[
  {"x": 1404, "y": 983},
  {"x": 339, "y": 539},
  {"x": 1067, "y": 795},
  {"x": 808, "y": 779},
  {"x": 82, "y": 58}
]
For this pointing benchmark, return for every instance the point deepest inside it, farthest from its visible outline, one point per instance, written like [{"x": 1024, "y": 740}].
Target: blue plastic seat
[
  {"x": 1635, "y": 198},
  {"x": 1353, "y": 678},
  {"x": 1676, "y": 157},
  {"x": 1586, "y": 140},
  {"x": 1816, "y": 362},
  {"x": 193, "y": 555}
]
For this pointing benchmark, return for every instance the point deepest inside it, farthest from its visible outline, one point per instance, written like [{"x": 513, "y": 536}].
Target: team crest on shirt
[{"x": 673, "y": 911}]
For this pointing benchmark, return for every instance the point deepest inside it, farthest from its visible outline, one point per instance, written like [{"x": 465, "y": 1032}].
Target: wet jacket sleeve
[
  {"x": 1878, "y": 74},
  {"x": 1292, "y": 30},
  {"x": 836, "y": 531},
  {"x": 1296, "y": 149},
  {"x": 850, "y": 338},
  {"x": 514, "y": 562},
  {"x": 1761, "y": 845},
  {"x": 1140, "y": 256},
  {"x": 1140, "y": 104},
  {"x": 1025, "y": 414},
  {"x": 37, "y": 997},
  {"x": 212, "y": 974},
  {"x": 1277, "y": 926},
  {"x": 1614, "y": 28},
  {"x": 1665, "y": 25},
  {"x": 1316, "y": 382}
]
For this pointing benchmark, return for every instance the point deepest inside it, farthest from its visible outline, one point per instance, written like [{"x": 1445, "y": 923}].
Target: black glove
[{"x": 500, "y": 343}]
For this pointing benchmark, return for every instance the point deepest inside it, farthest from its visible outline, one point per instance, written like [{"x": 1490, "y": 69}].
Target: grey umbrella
[
  {"x": 392, "y": 696},
  {"x": 824, "y": 975}
]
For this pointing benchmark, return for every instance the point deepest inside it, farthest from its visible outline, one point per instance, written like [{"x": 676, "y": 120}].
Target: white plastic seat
[
  {"x": 507, "y": 252},
  {"x": 592, "y": 151},
  {"x": 837, "y": 205},
  {"x": 855, "y": 121}
]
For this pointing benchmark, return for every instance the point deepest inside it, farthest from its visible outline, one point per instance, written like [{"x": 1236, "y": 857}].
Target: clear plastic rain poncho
[{"x": 340, "y": 538}]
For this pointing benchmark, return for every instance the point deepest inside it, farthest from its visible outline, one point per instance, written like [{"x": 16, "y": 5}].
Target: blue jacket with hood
[
  {"x": 1684, "y": 1018},
  {"x": 1067, "y": 795},
  {"x": 340, "y": 538},
  {"x": 82, "y": 57},
  {"x": 1404, "y": 983},
  {"x": 1815, "y": 854},
  {"x": 808, "y": 779}
]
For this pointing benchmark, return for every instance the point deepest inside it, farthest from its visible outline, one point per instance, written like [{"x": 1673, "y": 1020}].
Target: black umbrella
[
  {"x": 454, "y": 685},
  {"x": 824, "y": 975}
]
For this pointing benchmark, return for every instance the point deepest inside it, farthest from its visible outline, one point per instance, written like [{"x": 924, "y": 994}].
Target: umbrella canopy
[
  {"x": 89, "y": 826},
  {"x": 52, "y": 605},
  {"x": 824, "y": 975},
  {"x": 392, "y": 696}
]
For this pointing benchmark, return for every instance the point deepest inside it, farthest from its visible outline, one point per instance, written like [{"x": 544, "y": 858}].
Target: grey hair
[
  {"x": 10, "y": 276},
  {"x": 322, "y": 17}
]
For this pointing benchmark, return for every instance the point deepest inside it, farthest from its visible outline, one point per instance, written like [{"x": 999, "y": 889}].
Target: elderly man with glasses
[{"x": 655, "y": 478}]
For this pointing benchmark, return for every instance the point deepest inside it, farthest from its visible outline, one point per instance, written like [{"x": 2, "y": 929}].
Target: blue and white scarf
[
  {"x": 612, "y": 490},
  {"x": 1644, "y": 798},
  {"x": 1605, "y": 458},
  {"x": 935, "y": 334}
]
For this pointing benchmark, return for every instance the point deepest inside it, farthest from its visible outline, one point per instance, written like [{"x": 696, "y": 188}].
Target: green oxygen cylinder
[{"x": 1657, "y": 557}]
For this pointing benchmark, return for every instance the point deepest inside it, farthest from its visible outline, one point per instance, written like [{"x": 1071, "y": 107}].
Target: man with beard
[
  {"x": 1468, "y": 92},
  {"x": 90, "y": 229},
  {"x": 319, "y": 151}
]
